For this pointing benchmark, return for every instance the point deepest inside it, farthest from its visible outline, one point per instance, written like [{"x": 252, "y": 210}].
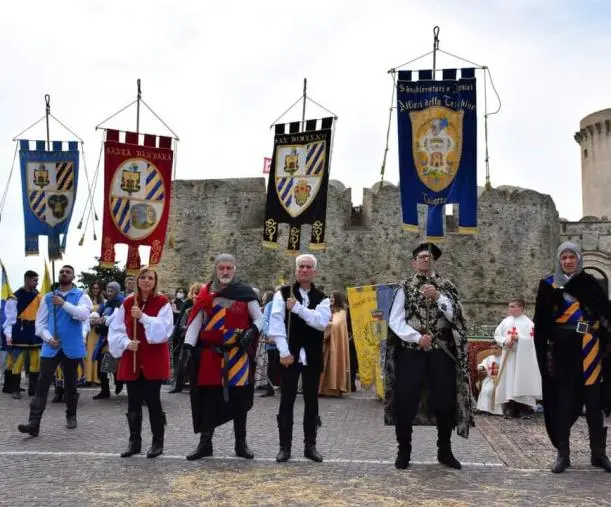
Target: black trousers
[
  {"x": 48, "y": 365},
  {"x": 144, "y": 390},
  {"x": 179, "y": 377},
  {"x": 354, "y": 364},
  {"x": 569, "y": 398},
  {"x": 215, "y": 410},
  {"x": 288, "y": 392},
  {"x": 413, "y": 369},
  {"x": 273, "y": 363}
]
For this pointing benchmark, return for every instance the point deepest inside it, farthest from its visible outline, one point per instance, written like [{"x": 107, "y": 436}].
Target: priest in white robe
[{"x": 519, "y": 381}]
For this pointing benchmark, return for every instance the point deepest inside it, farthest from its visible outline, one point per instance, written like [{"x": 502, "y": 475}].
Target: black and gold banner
[{"x": 298, "y": 183}]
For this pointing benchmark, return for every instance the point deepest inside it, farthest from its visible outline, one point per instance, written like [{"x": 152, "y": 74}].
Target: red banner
[
  {"x": 267, "y": 165},
  {"x": 137, "y": 191}
]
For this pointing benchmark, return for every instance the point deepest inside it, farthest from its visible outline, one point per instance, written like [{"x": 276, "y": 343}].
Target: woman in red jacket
[{"x": 138, "y": 334}]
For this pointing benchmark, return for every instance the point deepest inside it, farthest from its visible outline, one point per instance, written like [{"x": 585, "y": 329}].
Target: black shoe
[
  {"x": 402, "y": 461},
  {"x": 6, "y": 386},
  {"x": 118, "y": 387},
  {"x": 269, "y": 392},
  {"x": 203, "y": 450},
  {"x": 17, "y": 395},
  {"x": 284, "y": 454},
  {"x": 58, "y": 398},
  {"x": 312, "y": 453},
  {"x": 71, "y": 422},
  {"x": 600, "y": 460},
  {"x": 242, "y": 451},
  {"x": 447, "y": 458},
  {"x": 176, "y": 389},
  {"x": 155, "y": 450},
  {"x": 31, "y": 429},
  {"x": 134, "y": 447},
  {"x": 561, "y": 464},
  {"x": 102, "y": 395}
]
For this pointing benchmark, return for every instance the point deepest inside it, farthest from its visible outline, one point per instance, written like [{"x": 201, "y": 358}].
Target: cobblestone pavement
[{"x": 505, "y": 461}]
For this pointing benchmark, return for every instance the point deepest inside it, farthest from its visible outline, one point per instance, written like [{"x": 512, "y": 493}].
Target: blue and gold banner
[
  {"x": 49, "y": 180},
  {"x": 437, "y": 127}
]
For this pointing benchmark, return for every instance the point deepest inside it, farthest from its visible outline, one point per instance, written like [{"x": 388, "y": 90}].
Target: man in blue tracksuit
[{"x": 59, "y": 322}]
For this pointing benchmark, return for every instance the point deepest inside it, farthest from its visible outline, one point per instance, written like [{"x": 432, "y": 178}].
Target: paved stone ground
[{"x": 505, "y": 461}]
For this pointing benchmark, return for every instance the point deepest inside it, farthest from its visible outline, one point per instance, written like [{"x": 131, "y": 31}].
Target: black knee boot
[
  {"x": 444, "y": 444},
  {"x": 239, "y": 431},
  {"x": 37, "y": 407},
  {"x": 8, "y": 382},
  {"x": 33, "y": 382},
  {"x": 134, "y": 421},
  {"x": 285, "y": 432},
  {"x": 204, "y": 448},
  {"x": 104, "y": 387},
  {"x": 16, "y": 388},
  {"x": 71, "y": 404},
  {"x": 310, "y": 429},
  {"x": 598, "y": 444},
  {"x": 158, "y": 422},
  {"x": 404, "y": 441},
  {"x": 59, "y": 395}
]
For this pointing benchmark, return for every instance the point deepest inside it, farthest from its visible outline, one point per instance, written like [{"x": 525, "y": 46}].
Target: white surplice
[
  {"x": 520, "y": 380},
  {"x": 486, "y": 394}
]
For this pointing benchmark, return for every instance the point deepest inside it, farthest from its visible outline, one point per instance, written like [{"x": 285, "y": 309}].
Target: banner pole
[
  {"x": 138, "y": 100},
  {"x": 305, "y": 98},
  {"x": 435, "y": 48}
]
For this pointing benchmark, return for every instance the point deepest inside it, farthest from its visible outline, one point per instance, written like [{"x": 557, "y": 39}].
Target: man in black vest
[{"x": 298, "y": 318}]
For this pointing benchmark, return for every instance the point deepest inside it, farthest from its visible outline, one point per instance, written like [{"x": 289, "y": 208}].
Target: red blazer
[{"x": 152, "y": 360}]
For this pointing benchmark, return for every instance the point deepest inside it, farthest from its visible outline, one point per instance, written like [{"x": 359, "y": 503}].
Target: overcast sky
[{"x": 220, "y": 72}]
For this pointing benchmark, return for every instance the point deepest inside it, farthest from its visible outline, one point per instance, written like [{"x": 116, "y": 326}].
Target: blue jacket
[{"x": 69, "y": 330}]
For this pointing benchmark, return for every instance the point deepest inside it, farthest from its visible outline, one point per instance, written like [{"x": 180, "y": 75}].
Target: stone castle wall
[{"x": 518, "y": 235}]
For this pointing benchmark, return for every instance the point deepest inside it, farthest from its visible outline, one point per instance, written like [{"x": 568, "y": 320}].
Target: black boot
[
  {"x": 16, "y": 386},
  {"x": 269, "y": 392},
  {"x": 71, "y": 404},
  {"x": 104, "y": 387},
  {"x": 204, "y": 448},
  {"x": 118, "y": 386},
  {"x": 563, "y": 460},
  {"x": 404, "y": 441},
  {"x": 8, "y": 382},
  {"x": 37, "y": 407},
  {"x": 444, "y": 444},
  {"x": 59, "y": 395},
  {"x": 33, "y": 382},
  {"x": 134, "y": 421},
  {"x": 239, "y": 431},
  {"x": 309, "y": 440},
  {"x": 158, "y": 422},
  {"x": 285, "y": 431},
  {"x": 598, "y": 446}
]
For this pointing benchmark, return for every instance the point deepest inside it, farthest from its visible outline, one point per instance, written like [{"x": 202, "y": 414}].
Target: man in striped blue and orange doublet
[
  {"x": 572, "y": 319},
  {"x": 218, "y": 354}
]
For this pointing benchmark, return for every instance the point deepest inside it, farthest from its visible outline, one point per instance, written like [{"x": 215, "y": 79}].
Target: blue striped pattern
[
  {"x": 315, "y": 158},
  {"x": 154, "y": 186},
  {"x": 38, "y": 203},
  {"x": 119, "y": 208}
]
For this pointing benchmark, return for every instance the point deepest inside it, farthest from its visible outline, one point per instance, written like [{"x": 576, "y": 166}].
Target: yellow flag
[
  {"x": 6, "y": 288},
  {"x": 46, "y": 281}
]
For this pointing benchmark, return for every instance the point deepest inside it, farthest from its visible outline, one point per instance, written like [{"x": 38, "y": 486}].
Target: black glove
[
  {"x": 247, "y": 336},
  {"x": 186, "y": 358}
]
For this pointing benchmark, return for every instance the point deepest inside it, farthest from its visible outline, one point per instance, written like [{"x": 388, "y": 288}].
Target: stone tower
[{"x": 594, "y": 138}]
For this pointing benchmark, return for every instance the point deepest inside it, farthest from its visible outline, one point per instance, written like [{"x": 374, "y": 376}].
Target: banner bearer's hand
[
  {"x": 136, "y": 313},
  {"x": 58, "y": 300},
  {"x": 54, "y": 343},
  {"x": 290, "y": 303},
  {"x": 133, "y": 345},
  {"x": 287, "y": 361},
  {"x": 425, "y": 342}
]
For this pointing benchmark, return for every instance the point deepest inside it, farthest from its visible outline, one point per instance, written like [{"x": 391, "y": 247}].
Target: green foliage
[{"x": 106, "y": 275}]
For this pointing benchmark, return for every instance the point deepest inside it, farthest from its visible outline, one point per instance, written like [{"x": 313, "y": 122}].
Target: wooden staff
[{"x": 135, "y": 338}]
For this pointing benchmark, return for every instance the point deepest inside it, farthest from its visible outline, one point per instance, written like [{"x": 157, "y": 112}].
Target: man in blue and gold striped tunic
[{"x": 572, "y": 322}]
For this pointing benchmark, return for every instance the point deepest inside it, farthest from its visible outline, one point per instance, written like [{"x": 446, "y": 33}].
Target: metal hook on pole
[{"x": 138, "y": 99}]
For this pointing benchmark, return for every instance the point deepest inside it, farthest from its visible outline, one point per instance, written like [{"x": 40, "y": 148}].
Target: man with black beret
[{"x": 425, "y": 373}]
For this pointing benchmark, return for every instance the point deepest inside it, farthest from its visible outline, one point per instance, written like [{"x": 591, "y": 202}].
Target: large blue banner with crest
[
  {"x": 437, "y": 127},
  {"x": 49, "y": 180}
]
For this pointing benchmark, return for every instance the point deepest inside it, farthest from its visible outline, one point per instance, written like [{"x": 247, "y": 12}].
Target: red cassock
[
  {"x": 218, "y": 331},
  {"x": 152, "y": 360}
]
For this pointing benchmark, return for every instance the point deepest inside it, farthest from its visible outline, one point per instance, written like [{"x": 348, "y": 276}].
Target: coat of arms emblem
[
  {"x": 437, "y": 145},
  {"x": 41, "y": 176},
  {"x": 130, "y": 179}
]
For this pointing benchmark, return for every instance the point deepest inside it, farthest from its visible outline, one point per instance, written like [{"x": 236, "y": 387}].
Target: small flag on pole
[{"x": 267, "y": 165}]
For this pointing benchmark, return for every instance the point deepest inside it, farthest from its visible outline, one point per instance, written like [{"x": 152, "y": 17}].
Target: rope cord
[
  {"x": 16, "y": 138},
  {"x": 99, "y": 125},
  {"x": 285, "y": 112},
  {"x": 93, "y": 185},
  {"x": 392, "y": 101},
  {"x": 5, "y": 194},
  {"x": 159, "y": 118},
  {"x": 67, "y": 128},
  {"x": 87, "y": 177}
]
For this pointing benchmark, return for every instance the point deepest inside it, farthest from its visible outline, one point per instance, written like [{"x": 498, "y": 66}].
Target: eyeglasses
[{"x": 423, "y": 257}]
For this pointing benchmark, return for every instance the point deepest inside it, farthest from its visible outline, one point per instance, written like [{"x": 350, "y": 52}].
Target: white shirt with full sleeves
[
  {"x": 318, "y": 318},
  {"x": 192, "y": 334},
  {"x": 156, "y": 329},
  {"x": 397, "y": 321},
  {"x": 10, "y": 317},
  {"x": 81, "y": 312}
]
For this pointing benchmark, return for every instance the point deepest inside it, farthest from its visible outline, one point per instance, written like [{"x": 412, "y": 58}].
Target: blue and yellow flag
[
  {"x": 49, "y": 179},
  {"x": 437, "y": 126}
]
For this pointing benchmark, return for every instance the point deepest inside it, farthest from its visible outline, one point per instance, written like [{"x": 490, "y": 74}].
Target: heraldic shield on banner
[
  {"x": 437, "y": 128},
  {"x": 137, "y": 192},
  {"x": 49, "y": 183},
  {"x": 298, "y": 182}
]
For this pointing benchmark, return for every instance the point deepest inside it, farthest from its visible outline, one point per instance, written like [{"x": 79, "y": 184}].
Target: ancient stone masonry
[{"x": 515, "y": 246}]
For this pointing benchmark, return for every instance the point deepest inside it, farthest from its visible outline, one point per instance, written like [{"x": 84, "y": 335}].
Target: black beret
[{"x": 422, "y": 247}]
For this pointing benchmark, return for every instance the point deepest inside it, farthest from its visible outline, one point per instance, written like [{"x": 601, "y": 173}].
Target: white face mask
[{"x": 180, "y": 295}]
